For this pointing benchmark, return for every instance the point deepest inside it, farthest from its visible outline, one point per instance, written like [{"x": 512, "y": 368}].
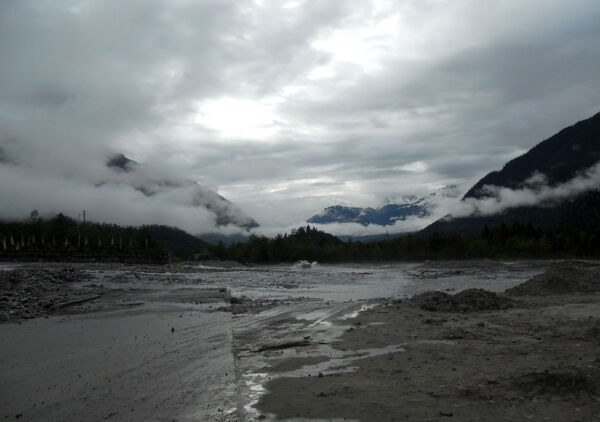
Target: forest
[
  {"x": 498, "y": 242},
  {"x": 64, "y": 234}
]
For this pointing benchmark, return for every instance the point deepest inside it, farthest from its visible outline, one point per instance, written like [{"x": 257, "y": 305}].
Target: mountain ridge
[
  {"x": 385, "y": 215},
  {"x": 554, "y": 161},
  {"x": 559, "y": 157}
]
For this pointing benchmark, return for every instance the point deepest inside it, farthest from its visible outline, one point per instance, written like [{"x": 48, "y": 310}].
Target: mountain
[
  {"x": 560, "y": 158},
  {"x": 384, "y": 216},
  {"x": 180, "y": 243},
  {"x": 372, "y": 237},
  {"x": 225, "y": 239},
  {"x": 554, "y": 161},
  {"x": 151, "y": 182},
  {"x": 387, "y": 215}
]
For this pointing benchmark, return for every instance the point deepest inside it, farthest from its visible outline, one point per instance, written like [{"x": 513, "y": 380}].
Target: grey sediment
[{"x": 478, "y": 356}]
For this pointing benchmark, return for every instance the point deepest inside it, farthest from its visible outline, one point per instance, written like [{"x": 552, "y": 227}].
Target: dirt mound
[
  {"x": 556, "y": 383},
  {"x": 444, "y": 269},
  {"x": 32, "y": 292},
  {"x": 465, "y": 301},
  {"x": 560, "y": 279},
  {"x": 479, "y": 299},
  {"x": 40, "y": 276},
  {"x": 434, "y": 301}
]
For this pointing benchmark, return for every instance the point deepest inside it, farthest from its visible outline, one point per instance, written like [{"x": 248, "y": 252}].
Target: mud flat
[
  {"x": 113, "y": 342},
  {"x": 223, "y": 342},
  {"x": 97, "y": 342},
  {"x": 532, "y": 353}
]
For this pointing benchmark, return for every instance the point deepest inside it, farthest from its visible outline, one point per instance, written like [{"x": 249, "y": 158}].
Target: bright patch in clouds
[
  {"x": 363, "y": 46},
  {"x": 416, "y": 167},
  {"x": 238, "y": 118}
]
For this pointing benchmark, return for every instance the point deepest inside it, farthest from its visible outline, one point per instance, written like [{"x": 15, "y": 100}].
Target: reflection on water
[
  {"x": 355, "y": 313},
  {"x": 254, "y": 384}
]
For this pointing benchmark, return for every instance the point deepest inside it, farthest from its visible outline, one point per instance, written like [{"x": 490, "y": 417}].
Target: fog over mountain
[
  {"x": 534, "y": 187},
  {"x": 177, "y": 191},
  {"x": 126, "y": 192},
  {"x": 395, "y": 210},
  {"x": 282, "y": 107}
]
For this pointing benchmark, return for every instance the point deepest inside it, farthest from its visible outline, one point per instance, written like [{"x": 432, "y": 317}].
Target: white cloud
[
  {"x": 233, "y": 118},
  {"x": 534, "y": 192},
  {"x": 415, "y": 167}
]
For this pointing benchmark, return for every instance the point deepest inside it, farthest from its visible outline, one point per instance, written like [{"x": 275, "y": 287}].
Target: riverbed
[{"x": 200, "y": 342}]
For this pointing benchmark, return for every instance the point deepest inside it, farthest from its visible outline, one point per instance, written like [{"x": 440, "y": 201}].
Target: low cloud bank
[
  {"x": 115, "y": 197},
  {"x": 350, "y": 229},
  {"x": 22, "y": 191},
  {"x": 411, "y": 224},
  {"x": 534, "y": 191}
]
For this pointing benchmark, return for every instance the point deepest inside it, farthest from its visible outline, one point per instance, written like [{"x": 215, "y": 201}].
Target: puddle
[
  {"x": 254, "y": 383},
  {"x": 355, "y": 313},
  {"x": 340, "y": 361},
  {"x": 318, "y": 317},
  {"x": 334, "y": 362},
  {"x": 317, "y": 333}
]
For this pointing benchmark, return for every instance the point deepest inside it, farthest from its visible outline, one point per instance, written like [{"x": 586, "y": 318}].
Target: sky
[{"x": 282, "y": 107}]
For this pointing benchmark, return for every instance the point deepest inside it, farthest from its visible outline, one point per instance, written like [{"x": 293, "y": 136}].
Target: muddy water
[
  {"x": 361, "y": 282},
  {"x": 304, "y": 331},
  {"x": 161, "y": 345}
]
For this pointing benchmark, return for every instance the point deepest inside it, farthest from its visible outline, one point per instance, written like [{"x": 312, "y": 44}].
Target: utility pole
[{"x": 84, "y": 232}]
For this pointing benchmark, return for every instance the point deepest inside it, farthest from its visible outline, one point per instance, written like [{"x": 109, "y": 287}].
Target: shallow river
[
  {"x": 361, "y": 282},
  {"x": 153, "y": 348}
]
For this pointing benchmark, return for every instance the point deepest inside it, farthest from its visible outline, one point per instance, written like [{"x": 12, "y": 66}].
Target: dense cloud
[
  {"x": 536, "y": 191},
  {"x": 284, "y": 107},
  {"x": 135, "y": 196}
]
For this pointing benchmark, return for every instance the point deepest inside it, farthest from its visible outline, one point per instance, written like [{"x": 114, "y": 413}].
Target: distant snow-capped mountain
[
  {"x": 182, "y": 191},
  {"x": 395, "y": 208}
]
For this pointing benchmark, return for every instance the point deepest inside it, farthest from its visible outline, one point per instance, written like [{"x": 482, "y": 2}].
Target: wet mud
[
  {"x": 535, "y": 360},
  {"x": 224, "y": 342},
  {"x": 469, "y": 300}
]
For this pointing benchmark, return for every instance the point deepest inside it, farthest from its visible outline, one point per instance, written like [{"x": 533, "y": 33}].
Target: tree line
[
  {"x": 497, "y": 242},
  {"x": 518, "y": 240},
  {"x": 64, "y": 234}
]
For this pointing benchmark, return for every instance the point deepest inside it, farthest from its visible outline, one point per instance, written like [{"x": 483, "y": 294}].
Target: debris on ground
[
  {"x": 466, "y": 301},
  {"x": 564, "y": 383},
  {"x": 284, "y": 345},
  {"x": 32, "y": 292},
  {"x": 561, "y": 279}
]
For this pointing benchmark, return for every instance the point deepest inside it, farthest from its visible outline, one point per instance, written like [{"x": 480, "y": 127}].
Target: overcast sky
[{"x": 285, "y": 107}]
